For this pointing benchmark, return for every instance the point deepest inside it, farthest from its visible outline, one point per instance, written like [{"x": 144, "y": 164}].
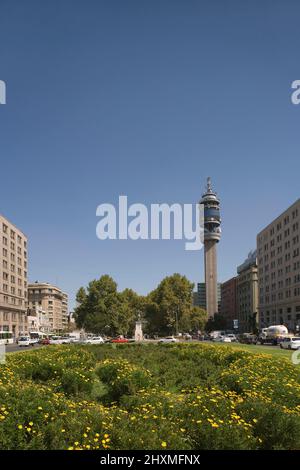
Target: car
[
  {"x": 45, "y": 341},
  {"x": 74, "y": 339},
  {"x": 187, "y": 336},
  {"x": 225, "y": 339},
  {"x": 119, "y": 339},
  {"x": 168, "y": 339},
  {"x": 232, "y": 337},
  {"x": 25, "y": 341},
  {"x": 218, "y": 339},
  {"x": 95, "y": 340},
  {"x": 248, "y": 338},
  {"x": 290, "y": 343},
  {"x": 55, "y": 340},
  {"x": 65, "y": 340}
]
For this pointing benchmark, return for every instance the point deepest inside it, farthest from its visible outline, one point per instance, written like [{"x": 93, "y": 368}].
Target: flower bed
[{"x": 178, "y": 396}]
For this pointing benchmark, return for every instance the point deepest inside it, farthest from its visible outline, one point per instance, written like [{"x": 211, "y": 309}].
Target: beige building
[
  {"x": 13, "y": 278},
  {"x": 247, "y": 294},
  {"x": 278, "y": 248},
  {"x": 51, "y": 300}
]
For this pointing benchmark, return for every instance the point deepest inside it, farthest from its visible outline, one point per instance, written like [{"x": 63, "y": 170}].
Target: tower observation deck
[{"x": 212, "y": 235}]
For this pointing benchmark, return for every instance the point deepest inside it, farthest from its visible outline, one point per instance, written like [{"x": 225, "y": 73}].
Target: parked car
[
  {"x": 168, "y": 339},
  {"x": 290, "y": 343},
  {"x": 232, "y": 337},
  {"x": 217, "y": 339},
  {"x": 45, "y": 341},
  {"x": 65, "y": 340},
  {"x": 94, "y": 340},
  {"x": 55, "y": 340},
  {"x": 225, "y": 339},
  {"x": 74, "y": 339},
  {"x": 248, "y": 338},
  {"x": 119, "y": 339},
  {"x": 187, "y": 336},
  {"x": 25, "y": 341}
]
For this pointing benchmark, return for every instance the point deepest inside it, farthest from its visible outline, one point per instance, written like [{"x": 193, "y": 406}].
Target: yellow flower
[
  {"x": 164, "y": 444},
  {"x": 20, "y": 426}
]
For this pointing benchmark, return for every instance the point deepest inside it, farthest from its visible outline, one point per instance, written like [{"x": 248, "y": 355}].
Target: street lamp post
[{"x": 176, "y": 319}]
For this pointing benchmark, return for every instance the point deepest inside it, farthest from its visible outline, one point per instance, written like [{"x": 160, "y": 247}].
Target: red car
[
  {"x": 119, "y": 339},
  {"x": 45, "y": 341}
]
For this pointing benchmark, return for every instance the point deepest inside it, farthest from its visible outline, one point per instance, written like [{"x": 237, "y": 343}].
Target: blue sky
[{"x": 145, "y": 98}]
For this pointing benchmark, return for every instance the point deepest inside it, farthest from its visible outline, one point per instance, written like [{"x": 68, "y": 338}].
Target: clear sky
[{"x": 145, "y": 98}]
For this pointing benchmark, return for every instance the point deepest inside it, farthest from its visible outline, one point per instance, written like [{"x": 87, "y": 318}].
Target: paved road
[{"x": 14, "y": 347}]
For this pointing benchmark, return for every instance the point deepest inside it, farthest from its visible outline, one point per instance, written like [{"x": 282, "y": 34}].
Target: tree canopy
[{"x": 168, "y": 309}]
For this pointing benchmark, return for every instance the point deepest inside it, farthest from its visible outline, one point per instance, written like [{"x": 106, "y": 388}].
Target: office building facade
[
  {"x": 247, "y": 294},
  {"x": 13, "y": 278},
  {"x": 278, "y": 251},
  {"x": 228, "y": 308}
]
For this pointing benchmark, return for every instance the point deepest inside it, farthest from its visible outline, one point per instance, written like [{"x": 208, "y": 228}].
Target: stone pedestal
[{"x": 138, "y": 334}]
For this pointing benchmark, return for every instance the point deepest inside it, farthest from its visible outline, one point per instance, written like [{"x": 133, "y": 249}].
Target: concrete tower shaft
[{"x": 210, "y": 263}]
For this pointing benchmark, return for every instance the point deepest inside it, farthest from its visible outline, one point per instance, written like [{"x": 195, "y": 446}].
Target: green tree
[
  {"x": 131, "y": 305},
  {"x": 98, "y": 305},
  {"x": 169, "y": 308},
  {"x": 102, "y": 309}
]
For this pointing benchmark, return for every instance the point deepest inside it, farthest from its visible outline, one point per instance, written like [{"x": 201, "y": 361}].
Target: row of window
[
  {"x": 12, "y": 279},
  {"x": 6, "y": 316},
  {"x": 12, "y": 234},
  {"x": 287, "y": 257},
  {"x": 12, "y": 244},
  {"x": 283, "y": 223},
  {"x": 13, "y": 290},
  {"x": 280, "y": 284},
  {"x": 287, "y": 294},
  {"x": 288, "y": 269},
  {"x": 12, "y": 300},
  {"x": 12, "y": 255},
  {"x": 13, "y": 266}
]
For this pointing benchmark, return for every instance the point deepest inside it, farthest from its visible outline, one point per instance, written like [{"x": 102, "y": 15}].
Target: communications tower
[{"x": 212, "y": 235}]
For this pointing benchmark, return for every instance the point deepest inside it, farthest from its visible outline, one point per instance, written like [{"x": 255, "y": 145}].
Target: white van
[{"x": 25, "y": 341}]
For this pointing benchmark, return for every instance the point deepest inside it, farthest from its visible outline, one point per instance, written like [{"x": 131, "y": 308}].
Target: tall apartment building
[
  {"x": 13, "y": 278},
  {"x": 247, "y": 294},
  {"x": 51, "y": 300},
  {"x": 278, "y": 247},
  {"x": 228, "y": 308}
]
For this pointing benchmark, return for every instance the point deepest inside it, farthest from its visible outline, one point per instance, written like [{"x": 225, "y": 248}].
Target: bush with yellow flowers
[{"x": 135, "y": 396}]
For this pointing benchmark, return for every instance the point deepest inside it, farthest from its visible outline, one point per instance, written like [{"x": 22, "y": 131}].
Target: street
[{"x": 14, "y": 347}]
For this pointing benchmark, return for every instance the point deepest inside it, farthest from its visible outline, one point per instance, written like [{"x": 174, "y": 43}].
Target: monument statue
[{"x": 138, "y": 334}]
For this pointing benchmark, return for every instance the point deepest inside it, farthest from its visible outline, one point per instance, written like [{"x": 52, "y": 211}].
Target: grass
[
  {"x": 258, "y": 349},
  {"x": 255, "y": 349}
]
